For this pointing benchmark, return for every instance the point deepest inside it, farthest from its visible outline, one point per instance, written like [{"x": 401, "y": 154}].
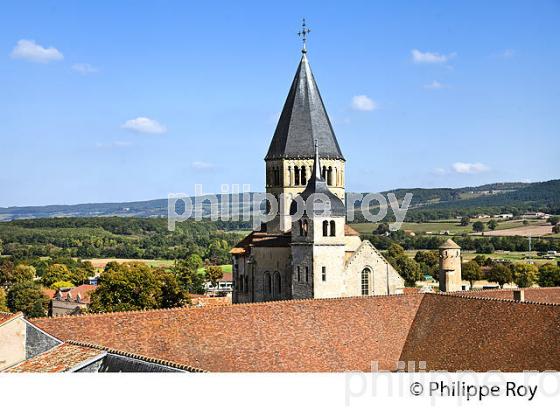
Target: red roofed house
[{"x": 71, "y": 301}]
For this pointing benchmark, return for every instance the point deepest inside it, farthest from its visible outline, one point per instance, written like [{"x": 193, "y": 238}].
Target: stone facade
[
  {"x": 12, "y": 338},
  {"x": 317, "y": 255},
  {"x": 289, "y": 177}
]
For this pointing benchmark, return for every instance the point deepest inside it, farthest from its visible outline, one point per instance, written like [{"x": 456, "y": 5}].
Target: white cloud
[
  {"x": 31, "y": 51},
  {"x": 144, "y": 125},
  {"x": 469, "y": 168},
  {"x": 434, "y": 85},
  {"x": 429, "y": 57},
  {"x": 84, "y": 68},
  {"x": 363, "y": 103},
  {"x": 202, "y": 166}
]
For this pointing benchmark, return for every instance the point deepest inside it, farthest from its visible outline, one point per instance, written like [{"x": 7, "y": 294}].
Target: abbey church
[{"x": 315, "y": 255}]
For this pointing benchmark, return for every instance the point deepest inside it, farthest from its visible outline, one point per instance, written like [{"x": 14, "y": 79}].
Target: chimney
[{"x": 519, "y": 295}]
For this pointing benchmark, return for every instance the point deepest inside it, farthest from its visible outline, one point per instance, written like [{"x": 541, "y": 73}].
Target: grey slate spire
[
  {"x": 303, "y": 120},
  {"x": 317, "y": 185}
]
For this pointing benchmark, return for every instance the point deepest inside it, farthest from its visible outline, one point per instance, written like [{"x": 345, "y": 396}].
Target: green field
[
  {"x": 100, "y": 263},
  {"x": 225, "y": 269},
  {"x": 507, "y": 256},
  {"x": 440, "y": 227}
]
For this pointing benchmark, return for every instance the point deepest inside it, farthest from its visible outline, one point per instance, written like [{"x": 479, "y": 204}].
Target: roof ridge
[
  {"x": 463, "y": 296},
  {"x": 137, "y": 356},
  {"x": 231, "y": 306},
  {"x": 117, "y": 313}
]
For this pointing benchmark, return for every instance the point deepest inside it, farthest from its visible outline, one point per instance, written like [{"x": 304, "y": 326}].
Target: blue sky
[{"x": 116, "y": 101}]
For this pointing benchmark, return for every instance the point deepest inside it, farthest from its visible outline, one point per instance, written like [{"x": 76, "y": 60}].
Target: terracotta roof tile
[
  {"x": 6, "y": 316},
  {"x": 58, "y": 359},
  {"x": 308, "y": 335},
  {"x": 83, "y": 290},
  {"x": 459, "y": 331},
  {"x": 454, "y": 332}
]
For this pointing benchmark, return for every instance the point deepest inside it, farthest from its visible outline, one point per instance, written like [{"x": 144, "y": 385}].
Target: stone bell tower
[
  {"x": 317, "y": 244},
  {"x": 289, "y": 160},
  {"x": 450, "y": 267}
]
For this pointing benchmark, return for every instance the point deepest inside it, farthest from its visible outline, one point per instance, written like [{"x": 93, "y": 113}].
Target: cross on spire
[{"x": 303, "y": 34}]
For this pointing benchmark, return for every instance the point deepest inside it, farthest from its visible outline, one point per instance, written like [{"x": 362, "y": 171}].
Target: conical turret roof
[
  {"x": 303, "y": 121},
  {"x": 449, "y": 244}
]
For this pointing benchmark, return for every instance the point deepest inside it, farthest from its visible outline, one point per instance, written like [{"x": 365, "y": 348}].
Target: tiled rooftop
[
  {"x": 58, "y": 359},
  {"x": 6, "y": 316},
  {"x": 461, "y": 331}
]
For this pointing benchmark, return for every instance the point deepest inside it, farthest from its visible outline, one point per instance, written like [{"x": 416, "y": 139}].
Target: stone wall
[
  {"x": 12, "y": 343},
  {"x": 368, "y": 257}
]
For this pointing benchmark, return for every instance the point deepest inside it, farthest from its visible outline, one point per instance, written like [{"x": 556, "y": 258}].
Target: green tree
[
  {"x": 525, "y": 274},
  {"x": 553, "y": 220},
  {"x": 23, "y": 273},
  {"x": 172, "y": 293},
  {"x": 478, "y": 226},
  {"x": 61, "y": 285},
  {"x": 79, "y": 276},
  {"x": 130, "y": 286},
  {"x": 3, "y": 301},
  {"x": 549, "y": 275},
  {"x": 55, "y": 273},
  {"x": 110, "y": 266},
  {"x": 382, "y": 229},
  {"x": 483, "y": 260},
  {"x": 214, "y": 274},
  {"x": 492, "y": 224},
  {"x": 556, "y": 228},
  {"x": 395, "y": 250},
  {"x": 429, "y": 262},
  {"x": 28, "y": 298},
  {"x": 465, "y": 221},
  {"x": 188, "y": 275},
  {"x": 6, "y": 272},
  {"x": 471, "y": 271},
  {"x": 409, "y": 269},
  {"x": 500, "y": 273}
]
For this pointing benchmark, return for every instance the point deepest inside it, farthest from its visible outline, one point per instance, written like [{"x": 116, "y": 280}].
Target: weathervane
[{"x": 303, "y": 34}]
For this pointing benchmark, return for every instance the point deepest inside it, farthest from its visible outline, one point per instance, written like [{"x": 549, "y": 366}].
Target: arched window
[
  {"x": 267, "y": 283},
  {"x": 240, "y": 285},
  {"x": 329, "y": 176},
  {"x": 336, "y": 176},
  {"x": 296, "y": 175},
  {"x": 277, "y": 284},
  {"x": 300, "y": 227},
  {"x": 324, "y": 172},
  {"x": 307, "y": 274},
  {"x": 333, "y": 228},
  {"x": 325, "y": 228},
  {"x": 303, "y": 175},
  {"x": 246, "y": 285},
  {"x": 299, "y": 273},
  {"x": 365, "y": 281},
  {"x": 305, "y": 228}
]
